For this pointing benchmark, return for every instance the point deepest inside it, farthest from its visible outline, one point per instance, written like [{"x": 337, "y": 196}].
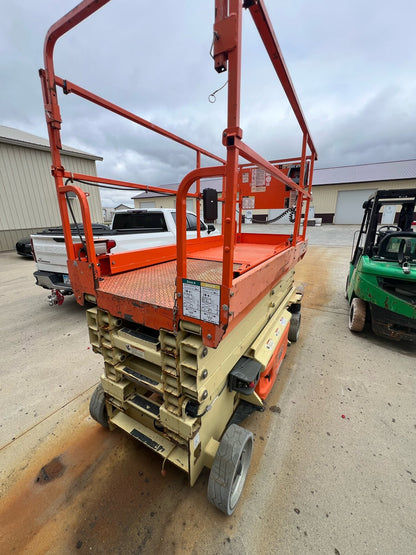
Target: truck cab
[{"x": 133, "y": 229}]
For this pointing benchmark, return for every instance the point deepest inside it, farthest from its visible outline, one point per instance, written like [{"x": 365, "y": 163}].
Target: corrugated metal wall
[
  {"x": 28, "y": 200},
  {"x": 159, "y": 202},
  {"x": 325, "y": 196},
  {"x": 163, "y": 202}
]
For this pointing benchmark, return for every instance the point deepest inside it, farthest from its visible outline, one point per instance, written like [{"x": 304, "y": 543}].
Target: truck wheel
[
  {"x": 294, "y": 327},
  {"x": 98, "y": 410},
  {"x": 229, "y": 469},
  {"x": 358, "y": 311}
]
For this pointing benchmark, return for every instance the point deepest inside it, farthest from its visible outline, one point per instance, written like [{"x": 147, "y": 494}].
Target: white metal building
[
  {"x": 339, "y": 193},
  {"x": 28, "y": 201},
  {"x": 108, "y": 213},
  {"x": 162, "y": 200}
]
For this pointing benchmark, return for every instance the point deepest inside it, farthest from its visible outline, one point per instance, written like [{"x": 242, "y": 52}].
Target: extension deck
[{"x": 147, "y": 295}]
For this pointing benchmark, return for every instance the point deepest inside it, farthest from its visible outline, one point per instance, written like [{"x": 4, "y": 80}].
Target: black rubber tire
[
  {"x": 229, "y": 469},
  {"x": 295, "y": 308},
  {"x": 98, "y": 410},
  {"x": 358, "y": 310},
  {"x": 294, "y": 327}
]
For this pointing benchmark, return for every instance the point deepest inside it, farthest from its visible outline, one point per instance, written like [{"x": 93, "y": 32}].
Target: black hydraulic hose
[{"x": 290, "y": 211}]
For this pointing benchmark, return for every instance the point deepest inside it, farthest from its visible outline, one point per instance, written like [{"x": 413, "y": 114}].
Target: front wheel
[
  {"x": 358, "y": 311},
  {"x": 98, "y": 410},
  {"x": 229, "y": 469}
]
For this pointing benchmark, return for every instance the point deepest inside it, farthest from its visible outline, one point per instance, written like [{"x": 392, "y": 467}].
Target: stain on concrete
[{"x": 54, "y": 469}]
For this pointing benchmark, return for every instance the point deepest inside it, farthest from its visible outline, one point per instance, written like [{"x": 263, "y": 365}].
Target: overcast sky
[{"x": 352, "y": 63}]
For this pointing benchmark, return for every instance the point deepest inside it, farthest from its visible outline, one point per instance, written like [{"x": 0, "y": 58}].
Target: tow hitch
[{"x": 55, "y": 298}]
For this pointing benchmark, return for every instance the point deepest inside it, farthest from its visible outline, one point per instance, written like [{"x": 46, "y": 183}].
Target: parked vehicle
[
  {"x": 130, "y": 230},
  {"x": 381, "y": 284},
  {"x": 24, "y": 247}
]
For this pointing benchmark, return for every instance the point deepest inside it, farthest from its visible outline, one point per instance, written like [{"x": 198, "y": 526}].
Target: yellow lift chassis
[{"x": 177, "y": 396}]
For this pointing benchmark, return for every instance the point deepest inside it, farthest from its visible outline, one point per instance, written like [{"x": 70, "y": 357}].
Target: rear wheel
[
  {"x": 358, "y": 311},
  {"x": 294, "y": 327},
  {"x": 229, "y": 469},
  {"x": 295, "y": 307},
  {"x": 98, "y": 410}
]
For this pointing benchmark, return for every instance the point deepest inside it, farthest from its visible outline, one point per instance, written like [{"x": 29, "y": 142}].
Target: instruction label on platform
[
  {"x": 201, "y": 300},
  {"x": 259, "y": 180},
  {"x": 191, "y": 298},
  {"x": 248, "y": 203},
  {"x": 210, "y": 303}
]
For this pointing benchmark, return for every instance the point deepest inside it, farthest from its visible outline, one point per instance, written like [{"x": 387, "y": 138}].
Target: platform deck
[{"x": 155, "y": 284}]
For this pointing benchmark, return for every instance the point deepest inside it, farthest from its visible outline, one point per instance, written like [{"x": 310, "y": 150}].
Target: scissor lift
[{"x": 192, "y": 334}]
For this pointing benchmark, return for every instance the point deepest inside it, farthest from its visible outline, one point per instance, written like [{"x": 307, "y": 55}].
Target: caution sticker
[
  {"x": 135, "y": 351},
  {"x": 270, "y": 344},
  {"x": 201, "y": 300},
  {"x": 197, "y": 440}
]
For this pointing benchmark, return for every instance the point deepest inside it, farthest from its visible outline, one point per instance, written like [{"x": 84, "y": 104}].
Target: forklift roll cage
[
  {"x": 281, "y": 252},
  {"x": 372, "y": 211}
]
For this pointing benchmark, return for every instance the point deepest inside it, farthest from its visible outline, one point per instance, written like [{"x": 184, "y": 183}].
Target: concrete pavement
[{"x": 334, "y": 464}]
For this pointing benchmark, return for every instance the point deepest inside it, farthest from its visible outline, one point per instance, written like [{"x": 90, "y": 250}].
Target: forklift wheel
[
  {"x": 358, "y": 311},
  {"x": 294, "y": 327},
  {"x": 229, "y": 469},
  {"x": 98, "y": 409}
]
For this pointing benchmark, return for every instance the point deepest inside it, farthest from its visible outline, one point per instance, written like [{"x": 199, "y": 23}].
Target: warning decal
[
  {"x": 201, "y": 300},
  {"x": 259, "y": 180},
  {"x": 210, "y": 303},
  {"x": 191, "y": 298}
]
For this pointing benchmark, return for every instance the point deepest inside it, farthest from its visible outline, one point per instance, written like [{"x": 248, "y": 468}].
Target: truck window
[
  {"x": 149, "y": 221},
  {"x": 191, "y": 222}
]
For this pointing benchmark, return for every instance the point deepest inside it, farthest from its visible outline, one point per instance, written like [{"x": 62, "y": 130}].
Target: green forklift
[{"x": 381, "y": 284}]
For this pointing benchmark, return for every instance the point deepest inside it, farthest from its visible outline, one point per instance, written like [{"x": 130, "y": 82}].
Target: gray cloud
[{"x": 351, "y": 64}]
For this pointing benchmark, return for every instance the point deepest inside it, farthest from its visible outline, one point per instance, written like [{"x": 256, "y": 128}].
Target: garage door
[{"x": 349, "y": 208}]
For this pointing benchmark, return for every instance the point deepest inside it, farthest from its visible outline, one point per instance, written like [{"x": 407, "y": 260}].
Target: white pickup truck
[{"x": 130, "y": 230}]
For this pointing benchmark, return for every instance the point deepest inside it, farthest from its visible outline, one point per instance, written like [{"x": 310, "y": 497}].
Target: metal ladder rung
[
  {"x": 150, "y": 438},
  {"x": 139, "y": 378},
  {"x": 145, "y": 405}
]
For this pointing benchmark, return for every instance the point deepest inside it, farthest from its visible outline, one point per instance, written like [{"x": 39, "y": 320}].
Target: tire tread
[
  {"x": 98, "y": 409},
  {"x": 358, "y": 310},
  {"x": 228, "y": 455}
]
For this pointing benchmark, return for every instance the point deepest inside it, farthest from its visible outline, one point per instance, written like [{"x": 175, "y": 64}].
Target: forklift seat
[{"x": 389, "y": 245}]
